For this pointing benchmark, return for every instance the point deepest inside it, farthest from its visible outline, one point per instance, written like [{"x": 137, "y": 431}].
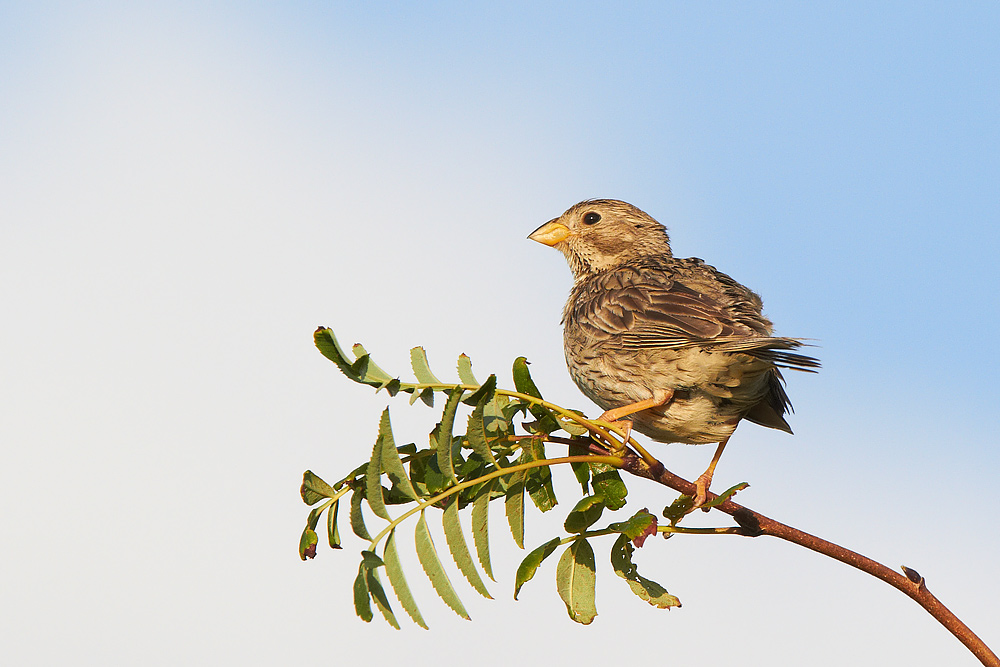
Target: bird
[{"x": 674, "y": 348}]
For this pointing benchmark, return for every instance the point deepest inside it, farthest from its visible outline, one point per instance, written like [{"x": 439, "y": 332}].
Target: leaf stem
[{"x": 728, "y": 530}]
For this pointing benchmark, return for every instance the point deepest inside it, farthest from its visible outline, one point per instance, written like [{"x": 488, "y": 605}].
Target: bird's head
[{"x": 600, "y": 234}]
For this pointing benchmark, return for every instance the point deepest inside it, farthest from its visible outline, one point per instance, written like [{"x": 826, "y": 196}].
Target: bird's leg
[
  {"x": 616, "y": 415},
  {"x": 705, "y": 479},
  {"x": 659, "y": 398}
]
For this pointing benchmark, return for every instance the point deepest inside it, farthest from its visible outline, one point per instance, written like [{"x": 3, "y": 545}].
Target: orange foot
[
  {"x": 617, "y": 415},
  {"x": 705, "y": 479},
  {"x": 701, "y": 486}
]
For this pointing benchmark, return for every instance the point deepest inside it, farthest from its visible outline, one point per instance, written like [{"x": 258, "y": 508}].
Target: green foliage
[
  {"x": 650, "y": 591},
  {"x": 585, "y": 514},
  {"x": 526, "y": 570},
  {"x": 500, "y": 456},
  {"x": 576, "y": 581}
]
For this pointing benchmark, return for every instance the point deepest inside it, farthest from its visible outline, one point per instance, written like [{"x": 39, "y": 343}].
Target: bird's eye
[{"x": 591, "y": 218}]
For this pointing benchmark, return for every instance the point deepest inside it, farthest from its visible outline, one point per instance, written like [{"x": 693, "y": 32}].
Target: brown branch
[{"x": 754, "y": 524}]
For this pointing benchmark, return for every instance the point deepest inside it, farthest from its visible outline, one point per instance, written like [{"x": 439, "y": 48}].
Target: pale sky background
[{"x": 187, "y": 190}]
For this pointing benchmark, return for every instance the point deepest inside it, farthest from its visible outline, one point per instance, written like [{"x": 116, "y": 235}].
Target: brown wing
[{"x": 677, "y": 304}]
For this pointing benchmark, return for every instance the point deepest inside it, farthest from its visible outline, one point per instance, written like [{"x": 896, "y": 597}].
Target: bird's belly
[{"x": 712, "y": 391}]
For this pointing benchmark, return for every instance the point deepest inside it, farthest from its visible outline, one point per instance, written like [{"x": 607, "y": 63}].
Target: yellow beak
[{"x": 550, "y": 233}]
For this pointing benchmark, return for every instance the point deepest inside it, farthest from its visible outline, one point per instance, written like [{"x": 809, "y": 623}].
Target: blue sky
[{"x": 190, "y": 189}]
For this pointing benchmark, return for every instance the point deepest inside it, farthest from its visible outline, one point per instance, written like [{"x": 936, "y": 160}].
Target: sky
[{"x": 190, "y": 189}]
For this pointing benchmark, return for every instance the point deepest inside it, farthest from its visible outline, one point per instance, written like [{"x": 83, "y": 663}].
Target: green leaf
[
  {"x": 572, "y": 427},
  {"x": 418, "y": 359},
  {"x": 465, "y": 370},
  {"x": 514, "y": 507},
  {"x": 307, "y": 543},
  {"x": 371, "y": 560},
  {"x": 484, "y": 394},
  {"x": 576, "y": 580},
  {"x": 314, "y": 489},
  {"x": 636, "y": 526},
  {"x": 394, "y": 571},
  {"x": 524, "y": 384},
  {"x": 726, "y": 495},
  {"x": 585, "y": 514},
  {"x": 313, "y": 519},
  {"x": 650, "y": 591},
  {"x": 427, "y": 555},
  {"x": 378, "y": 595},
  {"x": 427, "y": 396},
  {"x": 678, "y": 509},
  {"x": 481, "y": 525},
  {"x": 331, "y": 526},
  {"x": 425, "y": 472},
  {"x": 582, "y": 472},
  {"x": 357, "y": 517},
  {"x": 327, "y": 344},
  {"x": 362, "y": 369},
  {"x": 495, "y": 418},
  {"x": 609, "y": 484},
  {"x": 522, "y": 378},
  {"x": 538, "y": 481},
  {"x": 368, "y": 370},
  {"x": 526, "y": 570},
  {"x": 476, "y": 434},
  {"x": 391, "y": 462},
  {"x": 362, "y": 602},
  {"x": 444, "y": 431},
  {"x": 373, "y": 481},
  {"x": 459, "y": 549}
]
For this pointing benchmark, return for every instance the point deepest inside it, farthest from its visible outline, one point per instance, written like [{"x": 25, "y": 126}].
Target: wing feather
[{"x": 685, "y": 304}]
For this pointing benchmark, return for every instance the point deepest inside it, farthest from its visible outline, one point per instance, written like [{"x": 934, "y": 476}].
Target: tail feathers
[
  {"x": 772, "y": 350},
  {"x": 771, "y": 410}
]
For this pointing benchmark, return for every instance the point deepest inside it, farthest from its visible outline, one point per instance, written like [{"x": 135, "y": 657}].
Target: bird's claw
[
  {"x": 624, "y": 424},
  {"x": 701, "y": 487}
]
